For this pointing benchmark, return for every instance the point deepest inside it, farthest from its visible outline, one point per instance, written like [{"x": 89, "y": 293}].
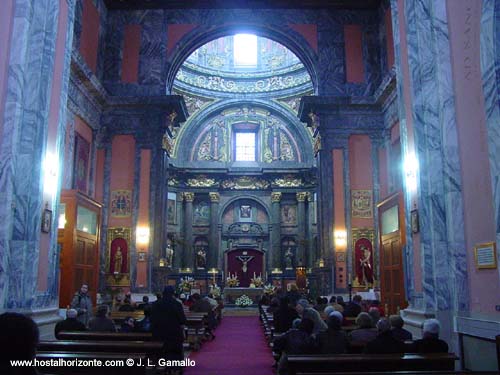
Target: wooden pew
[{"x": 301, "y": 364}]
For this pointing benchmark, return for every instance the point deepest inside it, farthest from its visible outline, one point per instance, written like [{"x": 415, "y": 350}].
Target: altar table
[{"x": 230, "y": 294}]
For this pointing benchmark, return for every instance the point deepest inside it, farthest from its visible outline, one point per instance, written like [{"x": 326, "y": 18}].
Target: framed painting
[
  {"x": 46, "y": 220},
  {"x": 361, "y": 204},
  {"x": 81, "y": 163},
  {"x": 485, "y": 255}
]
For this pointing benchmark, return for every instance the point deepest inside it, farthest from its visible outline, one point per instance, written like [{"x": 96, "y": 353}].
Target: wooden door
[
  {"x": 86, "y": 263},
  {"x": 392, "y": 240}
]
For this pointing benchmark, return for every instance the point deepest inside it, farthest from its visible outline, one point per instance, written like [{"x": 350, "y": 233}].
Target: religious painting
[
  {"x": 288, "y": 214},
  {"x": 118, "y": 257},
  {"x": 363, "y": 262},
  {"x": 81, "y": 163},
  {"x": 245, "y": 211},
  {"x": 201, "y": 213},
  {"x": 171, "y": 208},
  {"x": 361, "y": 204},
  {"x": 121, "y": 203}
]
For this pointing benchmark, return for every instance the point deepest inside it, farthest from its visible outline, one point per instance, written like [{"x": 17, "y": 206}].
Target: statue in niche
[
  {"x": 169, "y": 255},
  {"x": 205, "y": 150},
  {"x": 285, "y": 148},
  {"x": 118, "y": 261},
  {"x": 201, "y": 258},
  {"x": 289, "y": 259},
  {"x": 366, "y": 266}
]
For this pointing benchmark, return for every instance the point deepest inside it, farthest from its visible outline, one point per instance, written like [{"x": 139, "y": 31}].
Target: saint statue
[
  {"x": 366, "y": 267},
  {"x": 201, "y": 258},
  {"x": 289, "y": 259},
  {"x": 118, "y": 262},
  {"x": 169, "y": 255}
]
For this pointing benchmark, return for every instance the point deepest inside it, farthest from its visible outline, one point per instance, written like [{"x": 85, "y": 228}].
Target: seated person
[
  {"x": 128, "y": 325},
  {"x": 376, "y": 305},
  {"x": 18, "y": 341},
  {"x": 353, "y": 308},
  {"x": 284, "y": 316},
  {"x": 203, "y": 305},
  {"x": 71, "y": 323},
  {"x": 385, "y": 343},
  {"x": 375, "y": 315},
  {"x": 327, "y": 311},
  {"x": 336, "y": 305},
  {"x": 274, "y": 305},
  {"x": 101, "y": 322},
  {"x": 295, "y": 341},
  {"x": 145, "y": 302},
  {"x": 127, "y": 305},
  {"x": 307, "y": 312},
  {"x": 365, "y": 333},
  {"x": 333, "y": 341},
  {"x": 144, "y": 325},
  {"x": 398, "y": 331},
  {"x": 340, "y": 301},
  {"x": 321, "y": 303},
  {"x": 430, "y": 342}
]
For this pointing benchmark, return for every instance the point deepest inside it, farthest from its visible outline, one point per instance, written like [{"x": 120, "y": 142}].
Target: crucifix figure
[{"x": 244, "y": 259}]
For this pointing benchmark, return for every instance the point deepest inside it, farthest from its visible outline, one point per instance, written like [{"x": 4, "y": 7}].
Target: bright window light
[
  {"x": 245, "y": 50},
  {"x": 245, "y": 146}
]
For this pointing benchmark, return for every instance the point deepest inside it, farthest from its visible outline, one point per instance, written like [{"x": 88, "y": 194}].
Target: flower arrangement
[
  {"x": 243, "y": 301},
  {"x": 215, "y": 290},
  {"x": 186, "y": 284},
  {"x": 269, "y": 289},
  {"x": 256, "y": 281},
  {"x": 232, "y": 281}
]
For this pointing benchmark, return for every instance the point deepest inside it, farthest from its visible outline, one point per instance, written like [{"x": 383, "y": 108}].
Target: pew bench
[{"x": 302, "y": 364}]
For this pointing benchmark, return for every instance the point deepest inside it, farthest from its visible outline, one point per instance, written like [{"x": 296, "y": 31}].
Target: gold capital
[
  {"x": 275, "y": 196},
  {"x": 301, "y": 197},
  {"x": 188, "y": 196},
  {"x": 214, "y": 197}
]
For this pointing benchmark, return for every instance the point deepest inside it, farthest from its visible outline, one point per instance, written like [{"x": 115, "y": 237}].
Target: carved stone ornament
[
  {"x": 275, "y": 197},
  {"x": 173, "y": 182},
  {"x": 288, "y": 181},
  {"x": 167, "y": 144},
  {"x": 245, "y": 228},
  {"x": 317, "y": 145},
  {"x": 171, "y": 119},
  {"x": 314, "y": 120},
  {"x": 245, "y": 183},
  {"x": 214, "y": 197},
  {"x": 301, "y": 197},
  {"x": 201, "y": 181},
  {"x": 188, "y": 196}
]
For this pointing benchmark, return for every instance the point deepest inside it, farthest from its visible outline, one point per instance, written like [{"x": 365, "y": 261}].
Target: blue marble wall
[
  {"x": 32, "y": 58},
  {"x": 443, "y": 251}
]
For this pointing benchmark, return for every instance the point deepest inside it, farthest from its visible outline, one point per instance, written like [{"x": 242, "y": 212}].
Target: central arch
[{"x": 204, "y": 34}]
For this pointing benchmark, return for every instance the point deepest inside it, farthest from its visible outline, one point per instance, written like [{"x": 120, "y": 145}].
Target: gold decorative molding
[
  {"x": 275, "y": 196},
  {"x": 301, "y": 196},
  {"x": 245, "y": 183},
  {"x": 123, "y": 236},
  {"x": 288, "y": 181},
  {"x": 173, "y": 182},
  {"x": 317, "y": 144},
  {"x": 188, "y": 196},
  {"x": 310, "y": 197},
  {"x": 214, "y": 197},
  {"x": 201, "y": 181}
]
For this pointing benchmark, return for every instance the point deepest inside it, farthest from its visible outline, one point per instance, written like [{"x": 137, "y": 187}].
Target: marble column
[
  {"x": 276, "y": 230},
  {"x": 214, "y": 234},
  {"x": 310, "y": 256},
  {"x": 188, "y": 231},
  {"x": 36, "y": 60},
  {"x": 301, "y": 228}
]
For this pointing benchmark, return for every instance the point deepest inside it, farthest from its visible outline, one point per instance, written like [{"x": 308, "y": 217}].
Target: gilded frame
[
  {"x": 121, "y": 279},
  {"x": 485, "y": 255},
  {"x": 358, "y": 233}
]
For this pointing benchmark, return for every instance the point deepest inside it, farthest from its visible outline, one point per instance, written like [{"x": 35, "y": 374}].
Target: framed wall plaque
[{"x": 485, "y": 255}]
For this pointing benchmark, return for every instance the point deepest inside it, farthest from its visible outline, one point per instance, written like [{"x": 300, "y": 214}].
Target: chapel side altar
[{"x": 231, "y": 294}]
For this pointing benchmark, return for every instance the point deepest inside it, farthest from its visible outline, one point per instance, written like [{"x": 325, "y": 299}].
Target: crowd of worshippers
[
  {"x": 79, "y": 316},
  {"x": 324, "y": 328}
]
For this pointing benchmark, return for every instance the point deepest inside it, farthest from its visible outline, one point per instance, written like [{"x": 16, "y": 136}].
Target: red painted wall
[
  {"x": 309, "y": 32},
  {"x": 175, "y": 32},
  {"x": 122, "y": 172},
  {"x": 389, "y": 38},
  {"x": 360, "y": 171},
  {"x": 131, "y": 48},
  {"x": 143, "y": 216},
  {"x": 89, "y": 39},
  {"x": 353, "y": 39},
  {"x": 339, "y": 211}
]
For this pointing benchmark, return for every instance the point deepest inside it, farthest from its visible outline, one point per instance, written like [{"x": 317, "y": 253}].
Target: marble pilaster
[
  {"x": 301, "y": 228},
  {"x": 214, "y": 234},
  {"x": 276, "y": 230},
  {"x": 188, "y": 231}
]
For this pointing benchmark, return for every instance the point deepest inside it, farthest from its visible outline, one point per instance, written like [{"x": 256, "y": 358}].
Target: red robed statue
[{"x": 363, "y": 255}]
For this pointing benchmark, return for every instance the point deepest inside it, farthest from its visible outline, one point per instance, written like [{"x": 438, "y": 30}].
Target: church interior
[{"x": 237, "y": 148}]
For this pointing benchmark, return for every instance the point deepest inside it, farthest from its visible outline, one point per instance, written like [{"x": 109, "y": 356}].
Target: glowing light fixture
[
  {"x": 340, "y": 238},
  {"x": 411, "y": 166},
  {"x": 51, "y": 173},
  {"x": 142, "y": 236}
]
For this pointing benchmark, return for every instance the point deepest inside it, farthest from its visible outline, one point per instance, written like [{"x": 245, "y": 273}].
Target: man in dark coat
[
  {"x": 353, "y": 308},
  {"x": 69, "y": 324},
  {"x": 167, "y": 324},
  {"x": 384, "y": 343},
  {"x": 430, "y": 343}
]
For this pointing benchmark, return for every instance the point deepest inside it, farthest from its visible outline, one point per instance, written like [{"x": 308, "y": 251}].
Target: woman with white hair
[{"x": 430, "y": 342}]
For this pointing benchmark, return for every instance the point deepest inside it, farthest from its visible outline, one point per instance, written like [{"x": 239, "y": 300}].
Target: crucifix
[{"x": 244, "y": 259}]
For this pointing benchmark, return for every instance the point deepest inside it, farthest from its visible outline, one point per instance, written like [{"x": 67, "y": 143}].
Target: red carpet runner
[{"x": 239, "y": 348}]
